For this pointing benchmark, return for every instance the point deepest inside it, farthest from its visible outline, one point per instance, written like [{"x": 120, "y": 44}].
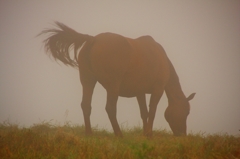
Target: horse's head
[{"x": 176, "y": 115}]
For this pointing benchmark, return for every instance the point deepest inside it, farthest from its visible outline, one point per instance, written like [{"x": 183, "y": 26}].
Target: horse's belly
[
  {"x": 131, "y": 87},
  {"x": 132, "y": 92}
]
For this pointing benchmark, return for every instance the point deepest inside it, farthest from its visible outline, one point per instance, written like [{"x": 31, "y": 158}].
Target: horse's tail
[{"x": 61, "y": 41}]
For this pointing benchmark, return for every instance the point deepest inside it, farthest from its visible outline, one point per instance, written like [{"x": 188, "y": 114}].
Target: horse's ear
[{"x": 191, "y": 96}]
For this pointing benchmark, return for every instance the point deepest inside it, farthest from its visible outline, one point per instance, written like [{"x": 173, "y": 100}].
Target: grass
[{"x": 69, "y": 142}]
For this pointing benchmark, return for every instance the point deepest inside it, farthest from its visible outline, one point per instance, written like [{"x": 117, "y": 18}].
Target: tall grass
[{"x": 69, "y": 142}]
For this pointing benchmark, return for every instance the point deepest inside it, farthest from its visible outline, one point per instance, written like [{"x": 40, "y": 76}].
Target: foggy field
[
  {"x": 201, "y": 38},
  {"x": 49, "y": 141}
]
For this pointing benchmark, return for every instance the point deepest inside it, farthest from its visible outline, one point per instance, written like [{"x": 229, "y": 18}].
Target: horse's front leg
[
  {"x": 111, "y": 108},
  {"x": 88, "y": 88},
  {"x": 143, "y": 111},
  {"x": 154, "y": 99}
]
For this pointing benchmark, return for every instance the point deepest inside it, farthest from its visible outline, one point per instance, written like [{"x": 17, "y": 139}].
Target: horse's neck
[{"x": 173, "y": 88}]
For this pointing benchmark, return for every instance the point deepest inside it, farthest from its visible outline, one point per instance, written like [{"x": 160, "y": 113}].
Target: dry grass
[{"x": 69, "y": 142}]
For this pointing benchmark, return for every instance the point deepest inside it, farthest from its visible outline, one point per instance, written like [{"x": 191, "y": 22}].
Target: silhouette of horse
[{"x": 124, "y": 67}]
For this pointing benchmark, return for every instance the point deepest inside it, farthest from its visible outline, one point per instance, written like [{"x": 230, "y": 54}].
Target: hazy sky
[{"x": 201, "y": 38}]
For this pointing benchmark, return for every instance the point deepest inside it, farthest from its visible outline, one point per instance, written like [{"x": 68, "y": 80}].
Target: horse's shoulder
[{"x": 145, "y": 38}]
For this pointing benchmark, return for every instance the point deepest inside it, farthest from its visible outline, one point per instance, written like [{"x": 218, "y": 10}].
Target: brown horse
[{"x": 124, "y": 67}]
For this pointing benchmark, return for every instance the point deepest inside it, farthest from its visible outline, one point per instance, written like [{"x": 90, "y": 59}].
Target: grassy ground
[{"x": 69, "y": 142}]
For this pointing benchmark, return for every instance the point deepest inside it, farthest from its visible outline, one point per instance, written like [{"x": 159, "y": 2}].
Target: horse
[{"x": 125, "y": 67}]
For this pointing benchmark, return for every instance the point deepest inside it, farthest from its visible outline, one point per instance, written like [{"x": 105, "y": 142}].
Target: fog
[{"x": 201, "y": 38}]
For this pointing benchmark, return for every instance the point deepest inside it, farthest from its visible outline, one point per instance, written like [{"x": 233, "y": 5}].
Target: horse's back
[{"x": 135, "y": 65}]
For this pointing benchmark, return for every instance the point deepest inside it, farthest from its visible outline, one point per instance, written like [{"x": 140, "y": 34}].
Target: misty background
[{"x": 201, "y": 38}]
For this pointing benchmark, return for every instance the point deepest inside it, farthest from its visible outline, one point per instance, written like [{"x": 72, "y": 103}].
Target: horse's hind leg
[
  {"x": 111, "y": 108},
  {"x": 86, "y": 103},
  {"x": 143, "y": 110}
]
